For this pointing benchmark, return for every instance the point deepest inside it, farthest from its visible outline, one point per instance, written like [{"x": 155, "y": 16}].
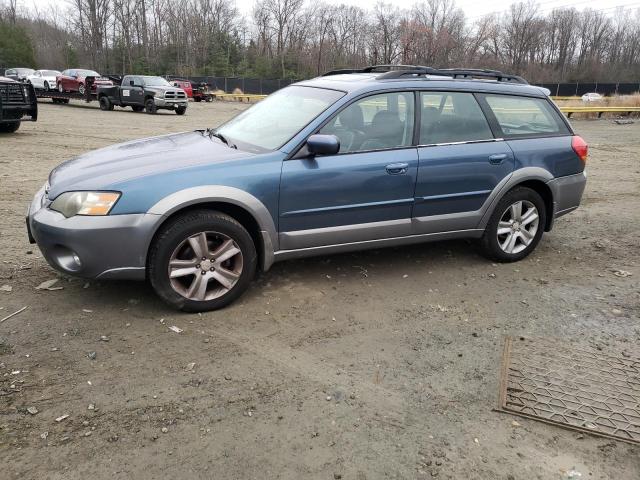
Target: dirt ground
[{"x": 381, "y": 364}]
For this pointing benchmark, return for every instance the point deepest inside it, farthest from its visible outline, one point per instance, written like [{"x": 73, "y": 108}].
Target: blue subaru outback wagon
[{"x": 355, "y": 159}]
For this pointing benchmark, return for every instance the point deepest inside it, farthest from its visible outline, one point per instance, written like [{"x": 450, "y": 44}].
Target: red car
[
  {"x": 184, "y": 85},
  {"x": 74, "y": 80}
]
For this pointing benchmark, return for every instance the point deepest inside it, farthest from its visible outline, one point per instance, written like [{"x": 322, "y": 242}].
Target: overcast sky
[{"x": 472, "y": 8}]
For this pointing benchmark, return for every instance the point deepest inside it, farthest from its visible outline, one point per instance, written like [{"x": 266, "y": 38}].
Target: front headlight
[{"x": 85, "y": 203}]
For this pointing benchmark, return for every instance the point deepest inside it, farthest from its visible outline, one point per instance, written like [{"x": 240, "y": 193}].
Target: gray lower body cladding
[{"x": 116, "y": 246}]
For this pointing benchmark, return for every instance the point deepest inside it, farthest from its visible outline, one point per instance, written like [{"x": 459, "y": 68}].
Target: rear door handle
[
  {"x": 397, "y": 168},
  {"x": 497, "y": 158}
]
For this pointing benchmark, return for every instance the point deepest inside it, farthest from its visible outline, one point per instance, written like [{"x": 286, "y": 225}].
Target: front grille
[
  {"x": 12, "y": 94},
  {"x": 175, "y": 95}
]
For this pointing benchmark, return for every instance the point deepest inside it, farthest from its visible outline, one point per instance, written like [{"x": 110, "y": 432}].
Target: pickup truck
[
  {"x": 18, "y": 102},
  {"x": 141, "y": 92}
]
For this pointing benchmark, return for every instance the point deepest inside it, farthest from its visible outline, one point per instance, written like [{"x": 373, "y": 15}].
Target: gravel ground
[{"x": 381, "y": 364}]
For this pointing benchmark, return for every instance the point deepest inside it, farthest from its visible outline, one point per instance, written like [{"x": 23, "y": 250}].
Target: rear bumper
[
  {"x": 113, "y": 246},
  {"x": 567, "y": 193}
]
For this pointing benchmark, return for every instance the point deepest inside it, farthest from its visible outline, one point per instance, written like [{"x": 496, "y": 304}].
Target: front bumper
[
  {"x": 170, "y": 103},
  {"x": 112, "y": 246}
]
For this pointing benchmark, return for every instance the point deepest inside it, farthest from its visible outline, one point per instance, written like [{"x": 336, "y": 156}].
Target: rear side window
[
  {"x": 520, "y": 116},
  {"x": 449, "y": 117}
]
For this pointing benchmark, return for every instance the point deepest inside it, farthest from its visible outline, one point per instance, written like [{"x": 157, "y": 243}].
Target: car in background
[
  {"x": 75, "y": 80},
  {"x": 18, "y": 103},
  {"x": 18, "y": 74},
  {"x": 184, "y": 85},
  {"x": 592, "y": 97},
  {"x": 143, "y": 92},
  {"x": 43, "y": 79}
]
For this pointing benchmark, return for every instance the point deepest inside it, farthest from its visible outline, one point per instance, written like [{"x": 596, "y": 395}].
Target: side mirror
[
  {"x": 323, "y": 144},
  {"x": 132, "y": 83}
]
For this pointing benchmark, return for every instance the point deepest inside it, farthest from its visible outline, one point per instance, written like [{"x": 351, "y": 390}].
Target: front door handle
[
  {"x": 497, "y": 158},
  {"x": 397, "y": 168}
]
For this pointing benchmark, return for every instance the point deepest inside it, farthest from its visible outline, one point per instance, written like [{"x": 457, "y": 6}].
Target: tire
[
  {"x": 175, "y": 240},
  {"x": 81, "y": 89},
  {"x": 150, "y": 106},
  {"x": 137, "y": 108},
  {"x": 60, "y": 88},
  {"x": 209, "y": 98},
  {"x": 181, "y": 110},
  {"x": 9, "y": 127},
  {"x": 105, "y": 104},
  {"x": 517, "y": 239}
]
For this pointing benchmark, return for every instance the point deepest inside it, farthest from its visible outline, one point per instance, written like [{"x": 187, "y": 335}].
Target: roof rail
[{"x": 399, "y": 71}]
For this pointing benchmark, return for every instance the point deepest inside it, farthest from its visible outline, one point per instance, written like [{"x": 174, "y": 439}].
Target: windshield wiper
[{"x": 213, "y": 133}]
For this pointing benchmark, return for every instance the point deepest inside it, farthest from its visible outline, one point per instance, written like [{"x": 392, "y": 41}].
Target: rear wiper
[{"x": 213, "y": 133}]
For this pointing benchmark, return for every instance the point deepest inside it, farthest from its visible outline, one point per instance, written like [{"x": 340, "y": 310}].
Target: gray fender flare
[
  {"x": 518, "y": 176},
  {"x": 224, "y": 194}
]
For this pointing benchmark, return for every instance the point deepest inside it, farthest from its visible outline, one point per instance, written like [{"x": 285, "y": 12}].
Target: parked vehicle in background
[
  {"x": 18, "y": 74},
  {"x": 18, "y": 103},
  {"x": 75, "y": 80},
  {"x": 184, "y": 85},
  {"x": 142, "y": 92},
  {"x": 44, "y": 79},
  {"x": 355, "y": 159},
  {"x": 592, "y": 97},
  {"x": 202, "y": 94}
]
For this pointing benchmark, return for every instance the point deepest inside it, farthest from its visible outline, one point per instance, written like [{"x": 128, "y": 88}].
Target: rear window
[
  {"x": 450, "y": 117},
  {"x": 524, "y": 116}
]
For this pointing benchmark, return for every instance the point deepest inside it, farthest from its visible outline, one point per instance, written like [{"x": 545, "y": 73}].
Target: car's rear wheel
[
  {"x": 150, "y": 105},
  {"x": 515, "y": 227},
  {"x": 9, "y": 127},
  {"x": 203, "y": 260},
  {"x": 105, "y": 103}
]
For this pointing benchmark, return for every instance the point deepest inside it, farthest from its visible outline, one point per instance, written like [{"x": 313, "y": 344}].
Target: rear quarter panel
[{"x": 554, "y": 154}]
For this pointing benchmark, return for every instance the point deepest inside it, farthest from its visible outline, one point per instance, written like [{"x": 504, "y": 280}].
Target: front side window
[
  {"x": 271, "y": 123},
  {"x": 518, "y": 116},
  {"x": 377, "y": 122},
  {"x": 449, "y": 117}
]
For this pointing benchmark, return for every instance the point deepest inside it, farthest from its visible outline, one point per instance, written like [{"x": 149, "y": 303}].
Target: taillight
[{"x": 580, "y": 147}]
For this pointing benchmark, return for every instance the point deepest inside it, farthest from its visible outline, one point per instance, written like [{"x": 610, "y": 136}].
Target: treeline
[{"x": 302, "y": 38}]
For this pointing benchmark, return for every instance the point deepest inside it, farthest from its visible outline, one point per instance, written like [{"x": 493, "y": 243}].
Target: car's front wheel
[
  {"x": 181, "y": 110},
  {"x": 202, "y": 260},
  {"x": 81, "y": 89},
  {"x": 515, "y": 227},
  {"x": 9, "y": 127},
  {"x": 150, "y": 105}
]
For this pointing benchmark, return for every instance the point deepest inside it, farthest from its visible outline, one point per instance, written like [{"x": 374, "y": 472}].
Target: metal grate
[{"x": 578, "y": 388}]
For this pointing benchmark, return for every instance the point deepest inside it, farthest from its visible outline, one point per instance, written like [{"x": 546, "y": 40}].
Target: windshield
[
  {"x": 87, "y": 73},
  {"x": 49, "y": 73},
  {"x": 272, "y": 122},
  {"x": 156, "y": 82}
]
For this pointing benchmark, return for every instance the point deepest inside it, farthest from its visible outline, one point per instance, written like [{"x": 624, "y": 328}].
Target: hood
[
  {"x": 99, "y": 169},
  {"x": 164, "y": 88}
]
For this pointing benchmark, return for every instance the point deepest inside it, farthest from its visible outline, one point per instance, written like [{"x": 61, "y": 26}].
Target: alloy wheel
[
  {"x": 205, "y": 266},
  {"x": 518, "y": 226}
]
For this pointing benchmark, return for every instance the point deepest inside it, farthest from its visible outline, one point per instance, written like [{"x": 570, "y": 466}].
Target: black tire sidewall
[
  {"x": 181, "y": 110},
  {"x": 105, "y": 104},
  {"x": 10, "y": 127},
  {"x": 171, "y": 235},
  {"x": 150, "y": 106},
  {"x": 489, "y": 241}
]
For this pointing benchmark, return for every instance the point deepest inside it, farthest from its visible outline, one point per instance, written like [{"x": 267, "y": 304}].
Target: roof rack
[{"x": 400, "y": 71}]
